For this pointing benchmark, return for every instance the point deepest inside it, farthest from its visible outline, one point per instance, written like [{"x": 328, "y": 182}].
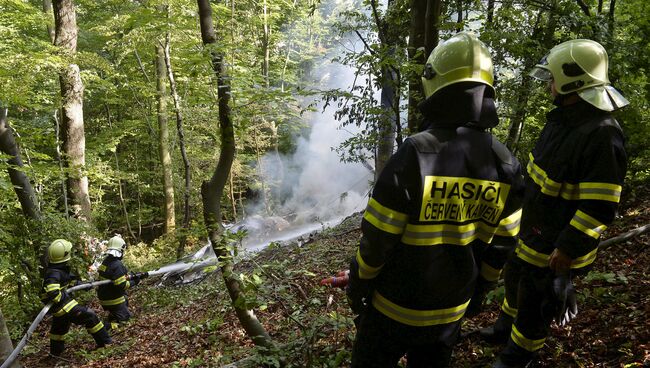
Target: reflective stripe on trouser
[
  {"x": 119, "y": 312},
  {"x": 418, "y": 318},
  {"x": 381, "y": 342},
  {"x": 115, "y": 301},
  {"x": 79, "y": 315}
]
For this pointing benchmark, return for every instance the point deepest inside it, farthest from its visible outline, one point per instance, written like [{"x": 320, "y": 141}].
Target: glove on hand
[
  {"x": 480, "y": 291},
  {"x": 356, "y": 300},
  {"x": 134, "y": 278},
  {"x": 565, "y": 295}
]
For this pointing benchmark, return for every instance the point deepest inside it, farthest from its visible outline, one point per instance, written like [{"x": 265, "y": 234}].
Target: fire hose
[{"x": 89, "y": 285}]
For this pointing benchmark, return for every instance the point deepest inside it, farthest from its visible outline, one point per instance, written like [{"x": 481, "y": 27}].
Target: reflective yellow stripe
[
  {"x": 541, "y": 260},
  {"x": 66, "y": 308},
  {"x": 489, "y": 273},
  {"x": 128, "y": 285},
  {"x": 415, "y": 317},
  {"x": 112, "y": 301},
  {"x": 57, "y": 298},
  {"x": 96, "y": 327},
  {"x": 55, "y": 337},
  {"x": 102, "y": 267},
  {"x": 592, "y": 190},
  {"x": 52, "y": 287},
  {"x": 531, "y": 256},
  {"x": 585, "y": 260},
  {"x": 524, "y": 342},
  {"x": 384, "y": 218},
  {"x": 507, "y": 309},
  {"x": 426, "y": 235},
  {"x": 119, "y": 280},
  {"x": 587, "y": 224},
  {"x": 547, "y": 185},
  {"x": 366, "y": 271},
  {"x": 509, "y": 226}
]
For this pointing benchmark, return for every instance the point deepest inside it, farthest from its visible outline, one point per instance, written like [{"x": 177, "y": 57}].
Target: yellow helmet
[
  {"x": 580, "y": 66},
  {"x": 116, "y": 246},
  {"x": 462, "y": 58},
  {"x": 59, "y": 251}
]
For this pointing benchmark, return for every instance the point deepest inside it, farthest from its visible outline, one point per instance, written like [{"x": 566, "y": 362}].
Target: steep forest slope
[{"x": 193, "y": 325}]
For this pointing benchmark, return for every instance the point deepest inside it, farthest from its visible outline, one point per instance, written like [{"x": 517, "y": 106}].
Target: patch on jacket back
[{"x": 462, "y": 199}]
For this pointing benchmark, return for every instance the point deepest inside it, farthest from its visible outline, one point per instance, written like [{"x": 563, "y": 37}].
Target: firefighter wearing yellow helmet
[
  {"x": 113, "y": 296},
  {"x": 442, "y": 218},
  {"x": 65, "y": 310},
  {"x": 574, "y": 183}
]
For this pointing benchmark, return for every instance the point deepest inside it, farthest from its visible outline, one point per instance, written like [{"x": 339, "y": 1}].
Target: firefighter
[
  {"x": 113, "y": 296},
  {"x": 65, "y": 309},
  {"x": 441, "y": 220},
  {"x": 573, "y": 187}
]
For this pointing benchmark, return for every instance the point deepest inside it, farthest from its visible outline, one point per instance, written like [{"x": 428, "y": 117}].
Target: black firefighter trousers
[
  {"x": 381, "y": 342},
  {"x": 117, "y": 314},
  {"x": 78, "y": 315}
]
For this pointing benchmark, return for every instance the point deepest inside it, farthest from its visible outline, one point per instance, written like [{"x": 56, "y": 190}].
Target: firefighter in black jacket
[
  {"x": 573, "y": 187},
  {"x": 65, "y": 310},
  {"x": 441, "y": 221},
  {"x": 113, "y": 296}
]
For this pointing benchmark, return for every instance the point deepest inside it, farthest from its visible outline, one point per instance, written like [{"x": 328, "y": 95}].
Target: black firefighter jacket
[
  {"x": 113, "y": 293},
  {"x": 573, "y": 186},
  {"x": 56, "y": 279},
  {"x": 444, "y": 210}
]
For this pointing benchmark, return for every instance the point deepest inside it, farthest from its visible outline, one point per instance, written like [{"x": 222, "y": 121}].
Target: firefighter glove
[
  {"x": 565, "y": 298},
  {"x": 134, "y": 278}
]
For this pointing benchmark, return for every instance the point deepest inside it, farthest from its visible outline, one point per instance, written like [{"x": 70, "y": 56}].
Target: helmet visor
[
  {"x": 541, "y": 73},
  {"x": 606, "y": 98}
]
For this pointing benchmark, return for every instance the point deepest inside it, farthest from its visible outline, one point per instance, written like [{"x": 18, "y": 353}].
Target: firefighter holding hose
[
  {"x": 113, "y": 296},
  {"x": 441, "y": 221},
  {"x": 65, "y": 309}
]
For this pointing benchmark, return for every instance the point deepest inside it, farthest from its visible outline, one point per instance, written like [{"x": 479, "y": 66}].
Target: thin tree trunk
[
  {"x": 260, "y": 169},
  {"x": 266, "y": 39},
  {"x": 74, "y": 140},
  {"x": 232, "y": 197},
  {"x": 119, "y": 181},
  {"x": 490, "y": 11},
  {"x": 416, "y": 53},
  {"x": 163, "y": 143},
  {"x": 47, "y": 9},
  {"x": 181, "y": 143},
  {"x": 432, "y": 25},
  {"x": 19, "y": 180},
  {"x": 212, "y": 190}
]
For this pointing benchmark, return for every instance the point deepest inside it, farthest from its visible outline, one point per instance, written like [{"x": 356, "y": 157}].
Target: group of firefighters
[
  {"x": 451, "y": 209},
  {"x": 65, "y": 310}
]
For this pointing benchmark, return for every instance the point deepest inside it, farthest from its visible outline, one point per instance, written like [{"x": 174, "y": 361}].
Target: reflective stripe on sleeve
[
  {"x": 507, "y": 309},
  {"x": 119, "y": 280},
  {"x": 509, "y": 226},
  {"x": 96, "y": 327},
  {"x": 593, "y": 191},
  {"x": 538, "y": 259},
  {"x": 52, "y": 287},
  {"x": 524, "y": 342},
  {"x": 489, "y": 273},
  {"x": 365, "y": 271},
  {"x": 66, "y": 308},
  {"x": 427, "y": 235},
  {"x": 547, "y": 185},
  {"x": 587, "y": 224},
  {"x": 110, "y": 302},
  {"x": 384, "y": 218},
  {"x": 415, "y": 317}
]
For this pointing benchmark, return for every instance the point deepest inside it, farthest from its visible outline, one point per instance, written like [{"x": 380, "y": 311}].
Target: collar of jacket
[
  {"x": 468, "y": 104},
  {"x": 573, "y": 115},
  {"x": 60, "y": 266}
]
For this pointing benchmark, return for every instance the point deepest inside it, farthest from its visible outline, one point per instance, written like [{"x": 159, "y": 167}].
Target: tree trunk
[
  {"x": 181, "y": 143},
  {"x": 212, "y": 190},
  {"x": 490, "y": 11},
  {"x": 47, "y": 9},
  {"x": 74, "y": 140},
  {"x": 163, "y": 143},
  {"x": 6, "y": 347},
  {"x": 432, "y": 25},
  {"x": 20, "y": 181},
  {"x": 416, "y": 53}
]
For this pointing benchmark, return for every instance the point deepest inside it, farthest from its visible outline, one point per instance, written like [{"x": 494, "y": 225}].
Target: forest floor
[{"x": 194, "y": 326}]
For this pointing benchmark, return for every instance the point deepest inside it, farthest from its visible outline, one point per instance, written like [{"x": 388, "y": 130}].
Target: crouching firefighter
[
  {"x": 65, "y": 309},
  {"x": 441, "y": 221},
  {"x": 113, "y": 296},
  {"x": 573, "y": 187}
]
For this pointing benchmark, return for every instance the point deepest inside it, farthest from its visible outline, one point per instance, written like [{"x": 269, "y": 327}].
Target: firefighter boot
[
  {"x": 56, "y": 348},
  {"x": 499, "y": 332},
  {"x": 102, "y": 338},
  {"x": 514, "y": 356}
]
